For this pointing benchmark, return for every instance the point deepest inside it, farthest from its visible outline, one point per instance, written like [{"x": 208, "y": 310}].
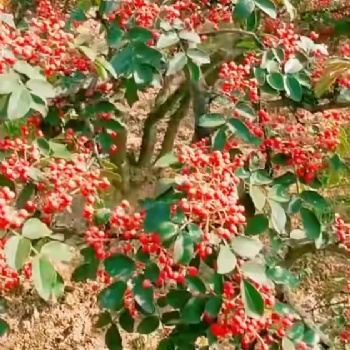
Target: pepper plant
[{"x": 210, "y": 256}]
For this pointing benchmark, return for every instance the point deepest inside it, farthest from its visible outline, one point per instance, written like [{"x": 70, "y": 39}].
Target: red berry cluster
[
  {"x": 237, "y": 79},
  {"x": 45, "y": 43},
  {"x": 56, "y": 179},
  {"x": 8, "y": 277},
  {"x": 342, "y": 231}
]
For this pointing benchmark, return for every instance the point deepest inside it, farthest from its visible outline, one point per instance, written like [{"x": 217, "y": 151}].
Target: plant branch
[
  {"x": 149, "y": 136},
  {"x": 298, "y": 251},
  {"x": 322, "y": 306},
  {"x": 313, "y": 109},
  {"x": 173, "y": 125},
  {"x": 229, "y": 31},
  {"x": 284, "y": 295}
]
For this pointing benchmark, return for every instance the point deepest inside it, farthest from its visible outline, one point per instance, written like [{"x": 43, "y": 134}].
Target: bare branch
[
  {"x": 298, "y": 251},
  {"x": 313, "y": 109}
]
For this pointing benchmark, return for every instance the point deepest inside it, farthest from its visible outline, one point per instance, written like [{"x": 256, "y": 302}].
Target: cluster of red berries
[
  {"x": 8, "y": 277},
  {"x": 45, "y": 43},
  {"x": 342, "y": 231},
  {"x": 237, "y": 79},
  {"x": 192, "y": 14},
  {"x": 56, "y": 180}
]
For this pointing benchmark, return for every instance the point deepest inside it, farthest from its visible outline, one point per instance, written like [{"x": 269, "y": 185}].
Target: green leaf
[
  {"x": 177, "y": 298},
  {"x": 106, "y": 65},
  {"x": 293, "y": 88},
  {"x": 190, "y": 36},
  {"x": 311, "y": 224},
  {"x": 296, "y": 332},
  {"x": 198, "y": 56},
  {"x": 167, "y": 39},
  {"x": 292, "y": 66},
  {"x": 104, "y": 319},
  {"x": 194, "y": 70},
  {"x": 113, "y": 339},
  {"x": 195, "y": 284},
  {"x": 285, "y": 179},
  {"x": 34, "y": 229},
  {"x": 311, "y": 337},
  {"x": 143, "y": 74},
  {"x": 114, "y": 36},
  {"x": 167, "y": 230},
  {"x": 260, "y": 177},
  {"x": 246, "y": 247},
  {"x": 282, "y": 276},
  {"x": 256, "y": 272},
  {"x": 156, "y": 215},
  {"x": 4, "y": 327},
  {"x": 44, "y": 276},
  {"x": 120, "y": 265},
  {"x": 144, "y": 297},
  {"x": 105, "y": 140},
  {"x": 252, "y": 300},
  {"x": 58, "y": 287},
  {"x": 241, "y": 130},
  {"x": 245, "y": 110},
  {"x": 148, "y": 325},
  {"x": 243, "y": 9},
  {"x": 195, "y": 232},
  {"x": 41, "y": 88},
  {"x": 9, "y": 82},
  {"x": 166, "y": 160},
  {"x": 148, "y": 55},
  {"x": 59, "y": 150},
  {"x": 166, "y": 344},
  {"x": 276, "y": 81},
  {"x": 8, "y": 19},
  {"x": 226, "y": 261},
  {"x": 19, "y": 103},
  {"x": 32, "y": 72},
  {"x": 112, "y": 297},
  {"x": 219, "y": 139},
  {"x": 258, "y": 197},
  {"x": 213, "y": 306},
  {"x": 278, "y": 216},
  {"x": 212, "y": 120},
  {"x": 260, "y": 75},
  {"x": 126, "y": 321},
  {"x": 193, "y": 310},
  {"x": 112, "y": 124},
  {"x": 57, "y": 251},
  {"x": 85, "y": 272},
  {"x": 256, "y": 225},
  {"x": 171, "y": 318},
  {"x": 279, "y": 193},
  {"x": 27, "y": 191},
  {"x": 314, "y": 199},
  {"x": 102, "y": 216},
  {"x": 5, "y": 182},
  {"x": 152, "y": 272},
  {"x": 139, "y": 34},
  {"x": 17, "y": 251},
  {"x": 122, "y": 60},
  {"x": 267, "y": 6},
  {"x": 290, "y": 9},
  {"x": 183, "y": 249},
  {"x": 176, "y": 63}
]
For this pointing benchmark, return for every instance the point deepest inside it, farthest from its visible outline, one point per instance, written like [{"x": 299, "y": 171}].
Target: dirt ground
[{"x": 69, "y": 324}]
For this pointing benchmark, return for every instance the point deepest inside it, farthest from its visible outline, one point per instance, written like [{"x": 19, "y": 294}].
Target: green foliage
[{"x": 177, "y": 261}]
